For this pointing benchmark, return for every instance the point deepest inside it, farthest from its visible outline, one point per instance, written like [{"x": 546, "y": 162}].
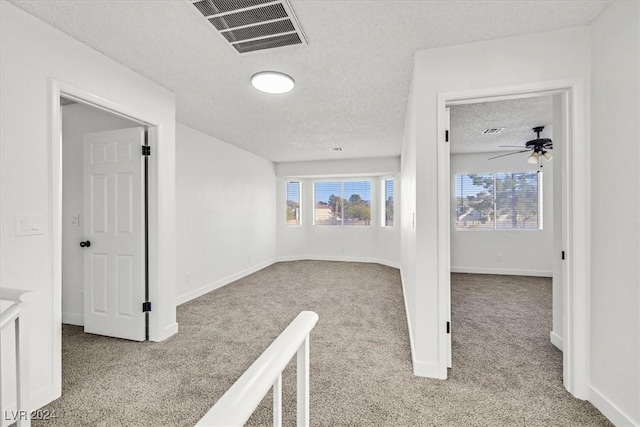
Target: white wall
[
  {"x": 496, "y": 63},
  {"x": 33, "y": 54},
  {"x": 77, "y": 119},
  {"x": 522, "y": 252},
  {"x": 372, "y": 243},
  {"x": 225, "y": 211},
  {"x": 615, "y": 232}
]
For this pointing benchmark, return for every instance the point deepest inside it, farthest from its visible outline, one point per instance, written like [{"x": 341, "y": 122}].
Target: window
[
  {"x": 499, "y": 201},
  {"x": 387, "y": 205},
  {"x": 293, "y": 203},
  {"x": 342, "y": 203}
]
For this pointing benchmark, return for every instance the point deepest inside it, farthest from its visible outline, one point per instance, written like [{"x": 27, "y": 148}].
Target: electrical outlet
[
  {"x": 499, "y": 258},
  {"x": 187, "y": 278}
]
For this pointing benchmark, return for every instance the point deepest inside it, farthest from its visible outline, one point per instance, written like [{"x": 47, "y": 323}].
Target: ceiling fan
[{"x": 539, "y": 147}]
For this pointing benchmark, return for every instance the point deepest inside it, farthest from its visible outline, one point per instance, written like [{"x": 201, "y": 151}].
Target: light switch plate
[{"x": 29, "y": 225}]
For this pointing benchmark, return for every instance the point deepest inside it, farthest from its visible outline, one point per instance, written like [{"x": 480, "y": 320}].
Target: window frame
[
  {"x": 540, "y": 180},
  {"x": 300, "y": 204},
  {"x": 342, "y": 182},
  {"x": 383, "y": 202}
]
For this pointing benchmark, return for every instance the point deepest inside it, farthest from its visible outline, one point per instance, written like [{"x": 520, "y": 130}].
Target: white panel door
[{"x": 114, "y": 227}]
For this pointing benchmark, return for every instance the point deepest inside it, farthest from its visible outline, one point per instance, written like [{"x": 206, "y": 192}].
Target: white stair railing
[
  {"x": 12, "y": 315},
  {"x": 240, "y": 401}
]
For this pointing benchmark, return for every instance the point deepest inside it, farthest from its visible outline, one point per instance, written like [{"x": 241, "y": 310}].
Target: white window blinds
[
  {"x": 387, "y": 202},
  {"x": 342, "y": 203},
  {"x": 293, "y": 203},
  {"x": 499, "y": 201}
]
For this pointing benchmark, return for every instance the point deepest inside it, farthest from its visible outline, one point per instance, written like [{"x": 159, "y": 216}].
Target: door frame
[
  {"x": 58, "y": 89},
  {"x": 575, "y": 218}
]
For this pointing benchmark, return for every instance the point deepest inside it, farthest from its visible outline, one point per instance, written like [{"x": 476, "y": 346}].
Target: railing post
[
  {"x": 22, "y": 414},
  {"x": 303, "y": 383},
  {"x": 277, "y": 402}
]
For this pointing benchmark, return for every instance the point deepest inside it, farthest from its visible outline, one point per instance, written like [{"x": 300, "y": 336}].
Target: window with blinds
[
  {"x": 388, "y": 203},
  {"x": 342, "y": 203},
  {"x": 293, "y": 203},
  {"x": 499, "y": 201}
]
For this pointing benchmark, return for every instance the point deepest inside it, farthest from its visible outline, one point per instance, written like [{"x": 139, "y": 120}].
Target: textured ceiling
[
  {"x": 352, "y": 80},
  {"x": 517, "y": 116}
]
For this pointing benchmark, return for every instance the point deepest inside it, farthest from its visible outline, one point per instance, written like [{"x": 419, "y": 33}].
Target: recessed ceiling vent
[
  {"x": 335, "y": 149},
  {"x": 250, "y": 25},
  {"x": 492, "y": 131}
]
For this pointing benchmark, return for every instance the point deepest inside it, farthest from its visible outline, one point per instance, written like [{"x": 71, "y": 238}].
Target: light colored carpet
[{"x": 505, "y": 371}]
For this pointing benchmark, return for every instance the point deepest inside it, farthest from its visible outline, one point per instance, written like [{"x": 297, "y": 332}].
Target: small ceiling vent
[
  {"x": 492, "y": 131},
  {"x": 335, "y": 149},
  {"x": 250, "y": 25}
]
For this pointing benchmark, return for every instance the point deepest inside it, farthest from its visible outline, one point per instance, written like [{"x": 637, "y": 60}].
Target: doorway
[
  {"x": 104, "y": 279},
  {"x": 574, "y": 190},
  {"x": 504, "y": 205}
]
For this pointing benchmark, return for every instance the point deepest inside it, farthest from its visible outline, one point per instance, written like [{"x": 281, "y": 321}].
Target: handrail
[
  {"x": 12, "y": 315},
  {"x": 240, "y": 401},
  {"x": 17, "y": 295}
]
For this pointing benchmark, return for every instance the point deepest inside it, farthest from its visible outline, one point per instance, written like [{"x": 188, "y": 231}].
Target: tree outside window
[{"x": 500, "y": 201}]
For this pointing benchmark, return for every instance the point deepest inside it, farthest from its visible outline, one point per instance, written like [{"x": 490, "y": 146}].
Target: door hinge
[
  {"x": 446, "y": 136},
  {"x": 146, "y": 306},
  {"x": 146, "y": 150},
  {"x": 562, "y": 254},
  {"x": 448, "y": 327}
]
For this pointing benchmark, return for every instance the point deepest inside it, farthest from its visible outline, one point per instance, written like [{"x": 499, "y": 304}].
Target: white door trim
[
  {"x": 576, "y": 218},
  {"x": 57, "y": 89}
]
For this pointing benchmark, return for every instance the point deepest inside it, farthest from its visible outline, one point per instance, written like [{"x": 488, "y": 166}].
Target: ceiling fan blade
[
  {"x": 508, "y": 154},
  {"x": 512, "y": 146}
]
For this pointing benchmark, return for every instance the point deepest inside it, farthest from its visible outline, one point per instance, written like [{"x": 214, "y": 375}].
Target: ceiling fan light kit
[{"x": 539, "y": 147}]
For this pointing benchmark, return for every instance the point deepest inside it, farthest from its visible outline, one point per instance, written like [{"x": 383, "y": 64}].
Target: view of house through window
[
  {"x": 500, "y": 201},
  {"x": 342, "y": 203},
  {"x": 293, "y": 203},
  {"x": 387, "y": 196}
]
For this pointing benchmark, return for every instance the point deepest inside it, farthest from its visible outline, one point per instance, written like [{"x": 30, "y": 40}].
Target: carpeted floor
[{"x": 505, "y": 371}]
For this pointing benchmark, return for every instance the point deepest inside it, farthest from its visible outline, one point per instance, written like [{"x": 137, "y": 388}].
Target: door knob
[{"x": 85, "y": 244}]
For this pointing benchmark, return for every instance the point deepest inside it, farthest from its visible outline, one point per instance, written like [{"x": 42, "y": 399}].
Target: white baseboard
[
  {"x": 73, "y": 319},
  {"x": 610, "y": 410},
  {"x": 556, "y": 340},
  {"x": 408, "y": 314},
  {"x": 222, "y": 282},
  {"x": 338, "y": 258},
  {"x": 429, "y": 370},
  {"x": 163, "y": 333},
  {"x": 502, "y": 271}
]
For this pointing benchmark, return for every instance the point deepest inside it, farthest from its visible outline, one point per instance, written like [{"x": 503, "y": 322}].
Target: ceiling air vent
[
  {"x": 250, "y": 25},
  {"x": 335, "y": 149},
  {"x": 492, "y": 131}
]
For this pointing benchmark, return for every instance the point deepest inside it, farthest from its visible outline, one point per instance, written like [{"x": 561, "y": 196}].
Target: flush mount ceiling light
[{"x": 272, "y": 82}]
